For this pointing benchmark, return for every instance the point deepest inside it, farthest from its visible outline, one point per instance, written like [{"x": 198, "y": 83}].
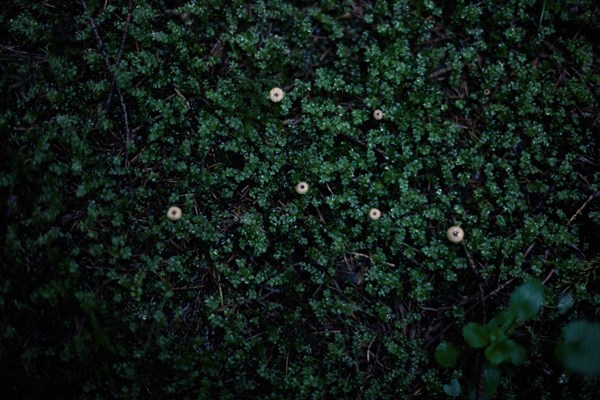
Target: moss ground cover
[{"x": 156, "y": 240}]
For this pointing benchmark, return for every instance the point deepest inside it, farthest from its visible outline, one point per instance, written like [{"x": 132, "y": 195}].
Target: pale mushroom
[
  {"x": 302, "y": 188},
  {"x": 374, "y": 214},
  {"x": 455, "y": 234},
  {"x": 174, "y": 213},
  {"x": 276, "y": 95}
]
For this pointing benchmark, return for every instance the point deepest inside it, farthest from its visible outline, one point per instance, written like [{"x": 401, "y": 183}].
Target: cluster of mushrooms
[{"x": 455, "y": 234}]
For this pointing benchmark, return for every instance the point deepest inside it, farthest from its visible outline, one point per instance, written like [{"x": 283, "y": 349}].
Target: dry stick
[
  {"x": 582, "y": 207},
  {"x": 369, "y": 257},
  {"x": 120, "y": 53},
  {"x": 439, "y": 72},
  {"x": 111, "y": 73},
  {"x": 127, "y": 22}
]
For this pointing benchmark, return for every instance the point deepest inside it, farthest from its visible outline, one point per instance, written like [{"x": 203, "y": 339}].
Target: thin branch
[
  {"x": 127, "y": 22},
  {"x": 120, "y": 53},
  {"x": 111, "y": 73},
  {"x": 481, "y": 292},
  {"x": 195, "y": 287},
  {"x": 582, "y": 207},
  {"x": 370, "y": 258}
]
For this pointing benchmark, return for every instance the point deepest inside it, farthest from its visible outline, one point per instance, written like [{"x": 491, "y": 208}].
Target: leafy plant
[
  {"x": 524, "y": 304},
  {"x": 494, "y": 337},
  {"x": 579, "y": 350}
]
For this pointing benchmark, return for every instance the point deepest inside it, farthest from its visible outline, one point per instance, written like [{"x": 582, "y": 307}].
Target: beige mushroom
[
  {"x": 455, "y": 234},
  {"x": 302, "y": 187},
  {"x": 378, "y": 114},
  {"x": 374, "y": 214},
  {"x": 174, "y": 213},
  {"x": 276, "y": 95}
]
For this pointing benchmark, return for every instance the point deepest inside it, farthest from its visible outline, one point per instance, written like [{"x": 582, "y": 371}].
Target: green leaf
[
  {"x": 491, "y": 379},
  {"x": 506, "y": 351},
  {"x": 496, "y": 334},
  {"x": 476, "y": 335},
  {"x": 452, "y": 389},
  {"x": 504, "y": 319},
  {"x": 565, "y": 302},
  {"x": 446, "y": 354},
  {"x": 580, "y": 349},
  {"x": 527, "y": 299}
]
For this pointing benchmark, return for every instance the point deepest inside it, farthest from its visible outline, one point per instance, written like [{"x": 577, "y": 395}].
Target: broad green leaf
[
  {"x": 505, "y": 351},
  {"x": 452, "y": 389},
  {"x": 565, "y": 302},
  {"x": 475, "y": 334},
  {"x": 491, "y": 379},
  {"x": 527, "y": 299},
  {"x": 496, "y": 334},
  {"x": 446, "y": 354},
  {"x": 580, "y": 349}
]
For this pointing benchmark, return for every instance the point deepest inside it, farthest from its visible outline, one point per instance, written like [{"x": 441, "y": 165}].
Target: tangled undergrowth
[{"x": 482, "y": 116}]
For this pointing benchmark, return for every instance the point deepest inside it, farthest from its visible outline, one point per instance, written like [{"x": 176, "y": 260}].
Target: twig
[
  {"x": 542, "y": 16},
  {"x": 127, "y": 22},
  {"x": 111, "y": 73},
  {"x": 548, "y": 276},
  {"x": 188, "y": 287},
  {"x": 184, "y": 98},
  {"x": 120, "y": 53},
  {"x": 582, "y": 207},
  {"x": 439, "y": 72},
  {"x": 479, "y": 395},
  {"x": 369, "y": 257},
  {"x": 481, "y": 292}
]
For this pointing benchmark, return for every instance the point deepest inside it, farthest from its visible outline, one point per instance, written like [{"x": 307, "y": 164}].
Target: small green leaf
[
  {"x": 491, "y": 379},
  {"x": 452, "y": 389},
  {"x": 580, "y": 350},
  {"x": 446, "y": 354},
  {"x": 565, "y": 302},
  {"x": 476, "y": 335},
  {"x": 506, "y": 351},
  {"x": 527, "y": 299}
]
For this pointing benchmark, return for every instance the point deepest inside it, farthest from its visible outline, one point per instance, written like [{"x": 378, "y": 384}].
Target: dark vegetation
[{"x": 114, "y": 111}]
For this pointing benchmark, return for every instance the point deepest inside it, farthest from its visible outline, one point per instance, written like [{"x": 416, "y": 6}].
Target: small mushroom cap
[
  {"x": 302, "y": 187},
  {"x": 374, "y": 214},
  {"x": 276, "y": 95},
  {"x": 455, "y": 234},
  {"x": 378, "y": 114},
  {"x": 174, "y": 213}
]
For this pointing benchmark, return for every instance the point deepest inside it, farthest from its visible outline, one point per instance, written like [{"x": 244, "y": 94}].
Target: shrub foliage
[{"x": 114, "y": 111}]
